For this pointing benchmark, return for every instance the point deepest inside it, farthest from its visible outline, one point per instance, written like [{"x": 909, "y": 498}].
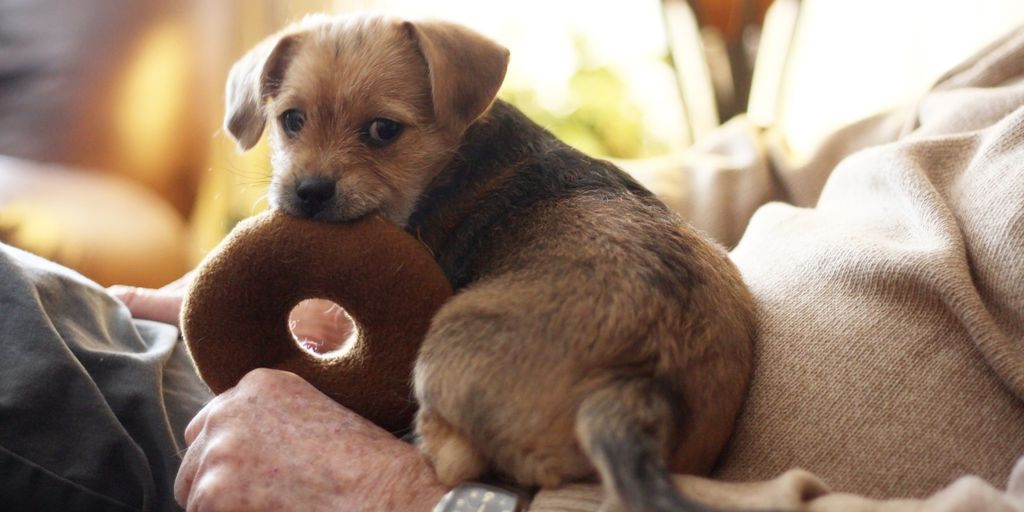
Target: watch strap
[{"x": 477, "y": 497}]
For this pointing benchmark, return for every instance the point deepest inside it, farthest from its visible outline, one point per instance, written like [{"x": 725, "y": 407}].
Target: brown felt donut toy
[{"x": 235, "y": 315}]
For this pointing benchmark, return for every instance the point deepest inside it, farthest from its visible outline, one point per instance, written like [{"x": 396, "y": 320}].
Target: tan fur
[
  {"x": 566, "y": 309},
  {"x": 577, "y": 322},
  {"x": 344, "y": 72}
]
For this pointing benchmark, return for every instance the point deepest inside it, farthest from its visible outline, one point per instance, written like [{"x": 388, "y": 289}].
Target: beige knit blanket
[{"x": 890, "y": 360}]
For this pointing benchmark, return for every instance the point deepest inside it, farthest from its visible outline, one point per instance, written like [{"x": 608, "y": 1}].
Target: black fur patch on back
[{"x": 506, "y": 165}]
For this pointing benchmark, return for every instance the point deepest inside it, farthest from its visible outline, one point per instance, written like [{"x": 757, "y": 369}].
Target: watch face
[{"x": 474, "y": 497}]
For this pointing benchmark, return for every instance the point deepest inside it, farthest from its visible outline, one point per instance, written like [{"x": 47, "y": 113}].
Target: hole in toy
[{"x": 322, "y": 327}]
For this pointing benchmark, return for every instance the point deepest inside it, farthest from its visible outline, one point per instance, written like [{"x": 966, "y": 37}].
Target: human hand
[
  {"x": 161, "y": 305},
  {"x": 319, "y": 325},
  {"x": 273, "y": 442}
]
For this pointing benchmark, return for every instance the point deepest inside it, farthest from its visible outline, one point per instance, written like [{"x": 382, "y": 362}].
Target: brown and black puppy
[{"x": 593, "y": 331}]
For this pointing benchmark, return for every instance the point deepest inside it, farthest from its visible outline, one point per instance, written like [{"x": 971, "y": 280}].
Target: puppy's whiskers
[
  {"x": 254, "y": 209},
  {"x": 258, "y": 176}
]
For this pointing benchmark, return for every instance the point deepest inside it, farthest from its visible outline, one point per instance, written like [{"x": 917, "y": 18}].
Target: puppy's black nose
[{"x": 314, "y": 194}]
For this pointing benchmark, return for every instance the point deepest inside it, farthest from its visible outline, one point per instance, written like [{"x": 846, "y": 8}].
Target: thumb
[{"x": 149, "y": 304}]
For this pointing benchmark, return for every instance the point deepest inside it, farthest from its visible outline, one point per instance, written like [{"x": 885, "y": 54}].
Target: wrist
[
  {"x": 414, "y": 487},
  {"x": 430, "y": 496}
]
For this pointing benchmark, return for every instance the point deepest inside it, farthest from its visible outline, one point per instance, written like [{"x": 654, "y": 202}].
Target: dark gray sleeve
[{"x": 93, "y": 404}]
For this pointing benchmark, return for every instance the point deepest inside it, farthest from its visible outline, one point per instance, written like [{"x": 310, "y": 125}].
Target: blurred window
[{"x": 852, "y": 59}]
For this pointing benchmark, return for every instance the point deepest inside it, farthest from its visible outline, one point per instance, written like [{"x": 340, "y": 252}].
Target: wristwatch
[{"x": 477, "y": 497}]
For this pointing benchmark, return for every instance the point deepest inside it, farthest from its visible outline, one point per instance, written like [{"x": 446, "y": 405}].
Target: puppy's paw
[
  {"x": 453, "y": 456},
  {"x": 543, "y": 470},
  {"x": 456, "y": 460}
]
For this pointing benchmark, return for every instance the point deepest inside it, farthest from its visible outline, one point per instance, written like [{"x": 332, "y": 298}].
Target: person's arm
[{"x": 273, "y": 442}]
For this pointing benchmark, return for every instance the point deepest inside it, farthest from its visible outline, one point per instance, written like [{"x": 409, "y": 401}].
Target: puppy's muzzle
[{"x": 314, "y": 195}]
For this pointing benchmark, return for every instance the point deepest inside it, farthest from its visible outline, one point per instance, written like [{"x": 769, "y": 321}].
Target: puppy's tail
[{"x": 624, "y": 428}]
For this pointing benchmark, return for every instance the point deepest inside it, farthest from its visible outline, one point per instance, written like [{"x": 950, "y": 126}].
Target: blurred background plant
[
  {"x": 599, "y": 118},
  {"x": 112, "y": 160}
]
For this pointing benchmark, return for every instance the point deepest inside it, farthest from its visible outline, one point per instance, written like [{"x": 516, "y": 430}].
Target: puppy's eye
[
  {"x": 381, "y": 132},
  {"x": 292, "y": 121}
]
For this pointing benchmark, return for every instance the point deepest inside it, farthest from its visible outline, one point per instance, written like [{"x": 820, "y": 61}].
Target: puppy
[{"x": 593, "y": 332}]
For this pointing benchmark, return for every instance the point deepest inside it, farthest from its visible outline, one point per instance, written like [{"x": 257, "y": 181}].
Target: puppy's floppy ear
[
  {"x": 254, "y": 78},
  {"x": 466, "y": 69}
]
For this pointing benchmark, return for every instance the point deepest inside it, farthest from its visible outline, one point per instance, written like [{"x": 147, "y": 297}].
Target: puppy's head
[{"x": 363, "y": 111}]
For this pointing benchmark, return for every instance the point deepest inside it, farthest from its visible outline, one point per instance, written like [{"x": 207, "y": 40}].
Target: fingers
[
  {"x": 162, "y": 305},
  {"x": 180, "y": 284},
  {"x": 223, "y": 401},
  {"x": 196, "y": 435},
  {"x": 198, "y": 422},
  {"x": 209, "y": 465},
  {"x": 187, "y": 472},
  {"x": 201, "y": 438},
  {"x": 159, "y": 305},
  {"x": 321, "y": 324},
  {"x": 274, "y": 419}
]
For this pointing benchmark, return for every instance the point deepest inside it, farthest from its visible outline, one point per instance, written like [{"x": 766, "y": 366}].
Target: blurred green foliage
[{"x": 602, "y": 120}]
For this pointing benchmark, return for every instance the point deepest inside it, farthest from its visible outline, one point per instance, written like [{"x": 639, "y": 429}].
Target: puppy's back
[{"x": 592, "y": 324}]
